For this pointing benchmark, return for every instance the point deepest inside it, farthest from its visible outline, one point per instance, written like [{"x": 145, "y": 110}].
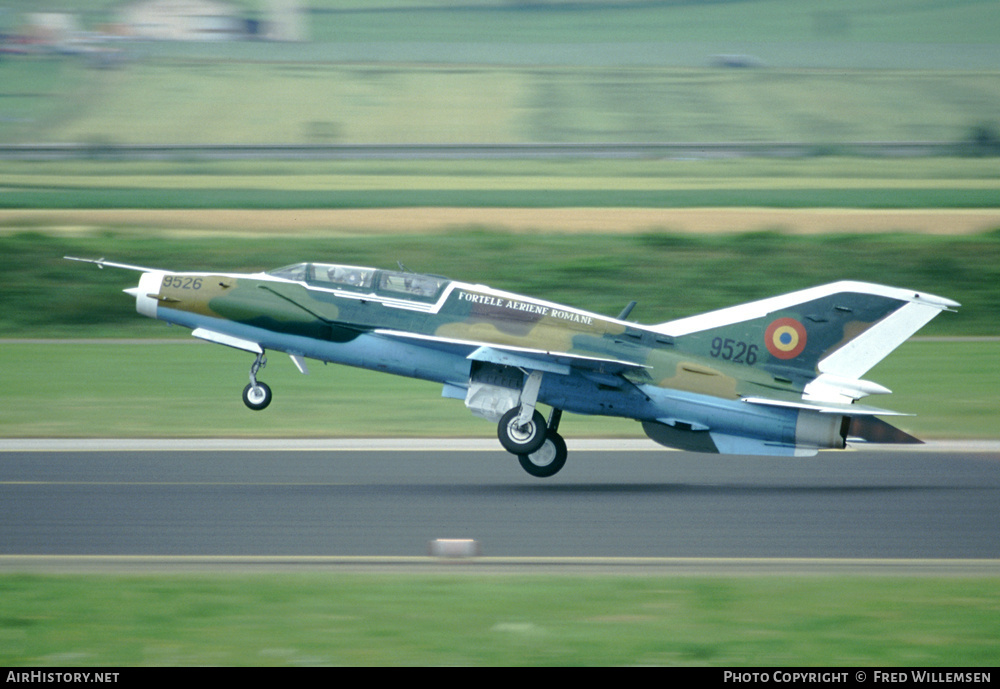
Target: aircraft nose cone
[{"x": 133, "y": 291}]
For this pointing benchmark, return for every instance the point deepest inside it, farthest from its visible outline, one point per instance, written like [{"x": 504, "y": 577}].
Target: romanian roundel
[{"x": 785, "y": 338}]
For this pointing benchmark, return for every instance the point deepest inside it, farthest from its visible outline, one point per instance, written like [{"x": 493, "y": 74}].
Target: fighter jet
[{"x": 781, "y": 376}]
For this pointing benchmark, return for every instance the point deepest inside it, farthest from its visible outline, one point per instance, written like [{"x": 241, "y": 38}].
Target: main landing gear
[
  {"x": 521, "y": 437},
  {"x": 550, "y": 456},
  {"x": 257, "y": 395},
  {"x": 548, "y": 459},
  {"x": 522, "y": 429}
]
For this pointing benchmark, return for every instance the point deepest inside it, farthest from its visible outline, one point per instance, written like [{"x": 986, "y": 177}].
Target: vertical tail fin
[{"x": 826, "y": 336}]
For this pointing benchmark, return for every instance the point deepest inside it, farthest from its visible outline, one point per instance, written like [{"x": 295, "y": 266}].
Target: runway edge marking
[{"x": 525, "y": 565}]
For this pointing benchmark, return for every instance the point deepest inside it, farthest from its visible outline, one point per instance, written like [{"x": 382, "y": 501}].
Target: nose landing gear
[{"x": 257, "y": 395}]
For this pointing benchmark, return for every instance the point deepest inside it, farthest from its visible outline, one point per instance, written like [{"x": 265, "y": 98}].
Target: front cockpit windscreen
[{"x": 296, "y": 272}]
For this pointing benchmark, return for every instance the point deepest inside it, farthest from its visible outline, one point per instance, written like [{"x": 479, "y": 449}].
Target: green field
[
  {"x": 670, "y": 275},
  {"x": 379, "y": 620},
  {"x": 188, "y": 389},
  {"x": 262, "y": 102},
  {"x": 828, "y": 182},
  {"x": 539, "y": 72},
  {"x": 954, "y": 22}
]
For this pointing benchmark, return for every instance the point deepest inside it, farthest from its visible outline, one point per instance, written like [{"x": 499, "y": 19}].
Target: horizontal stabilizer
[
  {"x": 824, "y": 407},
  {"x": 872, "y": 430}
]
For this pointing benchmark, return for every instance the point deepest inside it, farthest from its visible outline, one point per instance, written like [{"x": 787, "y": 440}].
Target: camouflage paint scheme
[{"x": 777, "y": 376}]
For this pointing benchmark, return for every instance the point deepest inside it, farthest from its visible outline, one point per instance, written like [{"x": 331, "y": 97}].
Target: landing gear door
[{"x": 493, "y": 390}]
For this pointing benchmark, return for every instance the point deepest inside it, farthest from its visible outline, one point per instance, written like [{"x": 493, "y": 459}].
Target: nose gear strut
[{"x": 257, "y": 395}]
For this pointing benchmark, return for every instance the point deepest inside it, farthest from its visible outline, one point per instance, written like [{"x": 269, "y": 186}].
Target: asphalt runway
[{"x": 616, "y": 499}]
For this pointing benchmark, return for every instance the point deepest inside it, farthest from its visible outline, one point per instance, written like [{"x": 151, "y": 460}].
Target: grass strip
[
  {"x": 25, "y": 196},
  {"x": 365, "y": 619},
  {"x": 165, "y": 390},
  {"x": 670, "y": 275}
]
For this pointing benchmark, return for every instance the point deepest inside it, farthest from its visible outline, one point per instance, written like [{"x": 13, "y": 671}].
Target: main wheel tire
[
  {"x": 548, "y": 459},
  {"x": 257, "y": 398},
  {"x": 521, "y": 440}
]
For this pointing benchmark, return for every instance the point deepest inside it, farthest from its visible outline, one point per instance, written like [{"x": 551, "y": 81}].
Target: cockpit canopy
[{"x": 355, "y": 278}]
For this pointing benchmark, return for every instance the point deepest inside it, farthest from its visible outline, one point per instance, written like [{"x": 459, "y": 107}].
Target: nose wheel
[{"x": 257, "y": 395}]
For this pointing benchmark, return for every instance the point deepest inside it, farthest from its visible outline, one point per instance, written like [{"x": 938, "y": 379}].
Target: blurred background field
[
  {"x": 671, "y": 275},
  {"x": 493, "y": 71},
  {"x": 223, "y": 101},
  {"x": 827, "y": 182}
]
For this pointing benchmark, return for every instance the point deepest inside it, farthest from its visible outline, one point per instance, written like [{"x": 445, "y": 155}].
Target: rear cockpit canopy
[{"x": 355, "y": 278}]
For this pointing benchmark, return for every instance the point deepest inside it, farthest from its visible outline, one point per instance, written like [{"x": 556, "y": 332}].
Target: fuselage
[{"x": 423, "y": 326}]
